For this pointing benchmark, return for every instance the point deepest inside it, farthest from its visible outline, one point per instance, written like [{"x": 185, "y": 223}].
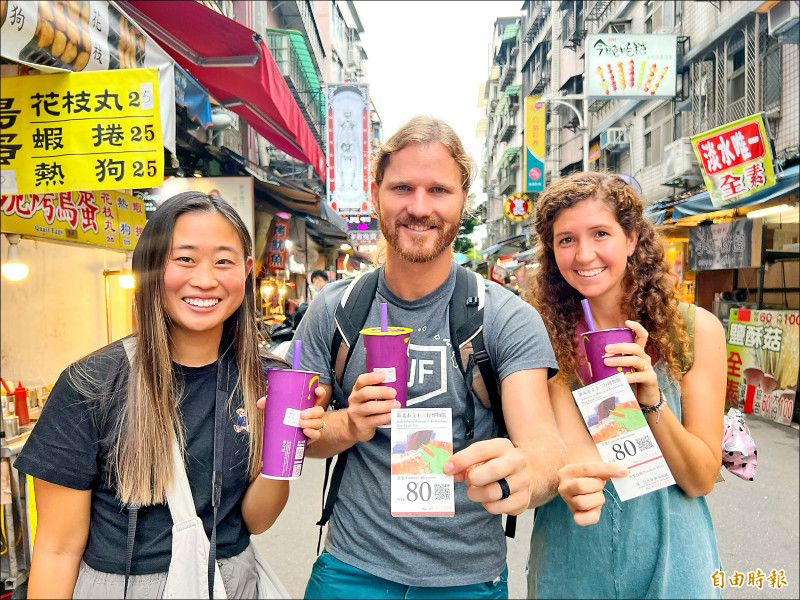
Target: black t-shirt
[{"x": 71, "y": 446}]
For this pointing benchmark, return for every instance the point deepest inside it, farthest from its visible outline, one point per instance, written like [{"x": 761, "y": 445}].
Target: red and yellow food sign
[
  {"x": 735, "y": 159},
  {"x": 518, "y": 207},
  {"x": 80, "y": 131},
  {"x": 106, "y": 218}
]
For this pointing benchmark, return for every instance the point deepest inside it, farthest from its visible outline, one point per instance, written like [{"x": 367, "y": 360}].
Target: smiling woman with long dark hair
[{"x": 101, "y": 454}]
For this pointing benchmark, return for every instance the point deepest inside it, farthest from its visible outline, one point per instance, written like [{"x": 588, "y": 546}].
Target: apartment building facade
[{"x": 734, "y": 59}]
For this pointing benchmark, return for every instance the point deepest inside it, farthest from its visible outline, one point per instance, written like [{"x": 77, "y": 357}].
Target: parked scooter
[{"x": 281, "y": 334}]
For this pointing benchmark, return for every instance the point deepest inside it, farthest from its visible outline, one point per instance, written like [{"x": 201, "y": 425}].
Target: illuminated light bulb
[
  {"x": 14, "y": 269},
  {"x": 761, "y": 212},
  {"x": 282, "y": 291},
  {"x": 126, "y": 280}
]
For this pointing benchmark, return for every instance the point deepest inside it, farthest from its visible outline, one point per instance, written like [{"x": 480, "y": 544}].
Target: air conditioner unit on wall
[
  {"x": 614, "y": 139},
  {"x": 783, "y": 16},
  {"x": 679, "y": 162}
]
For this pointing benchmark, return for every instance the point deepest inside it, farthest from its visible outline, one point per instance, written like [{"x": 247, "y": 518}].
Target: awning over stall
[
  {"x": 701, "y": 203},
  {"x": 509, "y": 245},
  {"x": 235, "y": 66}
]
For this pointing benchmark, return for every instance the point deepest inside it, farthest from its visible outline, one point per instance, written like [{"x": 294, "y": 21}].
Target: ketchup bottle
[{"x": 21, "y": 403}]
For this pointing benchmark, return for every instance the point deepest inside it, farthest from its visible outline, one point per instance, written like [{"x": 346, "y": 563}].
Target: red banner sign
[{"x": 276, "y": 249}]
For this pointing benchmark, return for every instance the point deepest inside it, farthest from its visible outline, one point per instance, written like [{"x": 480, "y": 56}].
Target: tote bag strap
[{"x": 179, "y": 494}]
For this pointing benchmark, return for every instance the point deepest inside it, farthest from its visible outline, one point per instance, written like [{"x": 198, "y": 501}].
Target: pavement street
[{"x": 756, "y": 522}]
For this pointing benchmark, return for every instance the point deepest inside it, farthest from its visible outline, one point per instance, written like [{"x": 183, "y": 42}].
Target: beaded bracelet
[{"x": 662, "y": 402}]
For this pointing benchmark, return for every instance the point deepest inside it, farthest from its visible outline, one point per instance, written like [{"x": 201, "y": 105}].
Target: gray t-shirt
[{"x": 470, "y": 547}]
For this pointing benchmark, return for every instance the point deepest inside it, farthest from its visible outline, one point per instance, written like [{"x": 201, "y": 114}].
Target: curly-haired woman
[{"x": 595, "y": 244}]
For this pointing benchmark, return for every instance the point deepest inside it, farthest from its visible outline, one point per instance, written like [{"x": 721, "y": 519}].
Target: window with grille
[
  {"x": 658, "y": 132},
  {"x": 771, "y": 78},
  {"x": 734, "y": 67}
]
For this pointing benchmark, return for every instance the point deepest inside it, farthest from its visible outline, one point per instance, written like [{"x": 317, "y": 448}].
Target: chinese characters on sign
[
  {"x": 763, "y": 362},
  {"x": 276, "y": 246},
  {"x": 83, "y": 36},
  {"x": 348, "y": 148},
  {"x": 363, "y": 231},
  {"x": 518, "y": 207},
  {"x": 735, "y": 159},
  {"x": 105, "y": 218},
  {"x": 534, "y": 144},
  {"x": 630, "y": 65},
  {"x": 80, "y": 131},
  {"x": 721, "y": 245}
]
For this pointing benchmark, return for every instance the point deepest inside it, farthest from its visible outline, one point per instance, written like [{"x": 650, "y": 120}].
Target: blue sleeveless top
[{"x": 660, "y": 545}]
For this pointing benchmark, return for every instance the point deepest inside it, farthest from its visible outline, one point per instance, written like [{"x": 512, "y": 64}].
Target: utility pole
[{"x": 583, "y": 119}]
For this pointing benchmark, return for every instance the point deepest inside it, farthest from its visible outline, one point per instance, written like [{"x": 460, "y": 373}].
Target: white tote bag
[{"x": 188, "y": 569}]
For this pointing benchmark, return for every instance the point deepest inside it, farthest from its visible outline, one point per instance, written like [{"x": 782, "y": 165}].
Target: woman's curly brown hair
[{"x": 650, "y": 288}]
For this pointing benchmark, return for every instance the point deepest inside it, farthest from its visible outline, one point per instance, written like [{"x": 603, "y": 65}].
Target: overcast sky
[{"x": 429, "y": 58}]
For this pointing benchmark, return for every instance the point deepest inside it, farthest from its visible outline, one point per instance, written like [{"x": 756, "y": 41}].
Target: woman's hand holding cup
[{"x": 636, "y": 364}]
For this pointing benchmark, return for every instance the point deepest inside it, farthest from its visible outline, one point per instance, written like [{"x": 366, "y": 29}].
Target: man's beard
[{"x": 445, "y": 234}]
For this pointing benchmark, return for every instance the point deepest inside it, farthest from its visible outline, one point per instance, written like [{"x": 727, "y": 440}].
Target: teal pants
[{"x": 331, "y": 578}]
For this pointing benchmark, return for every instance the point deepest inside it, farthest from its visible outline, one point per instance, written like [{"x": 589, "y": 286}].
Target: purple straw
[
  {"x": 588, "y": 314},
  {"x": 298, "y": 347},
  {"x": 384, "y": 318}
]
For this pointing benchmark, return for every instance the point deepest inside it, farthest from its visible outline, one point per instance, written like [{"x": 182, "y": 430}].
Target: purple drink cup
[
  {"x": 288, "y": 392},
  {"x": 595, "y": 343},
  {"x": 387, "y": 352}
]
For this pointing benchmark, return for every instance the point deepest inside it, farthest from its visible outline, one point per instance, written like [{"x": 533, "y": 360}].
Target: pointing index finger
[
  {"x": 603, "y": 470},
  {"x": 476, "y": 454}
]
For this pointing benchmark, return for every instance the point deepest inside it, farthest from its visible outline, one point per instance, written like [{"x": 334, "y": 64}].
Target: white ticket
[
  {"x": 422, "y": 441},
  {"x": 622, "y": 435}
]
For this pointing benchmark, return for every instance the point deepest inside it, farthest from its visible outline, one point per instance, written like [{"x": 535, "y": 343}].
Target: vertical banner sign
[
  {"x": 763, "y": 362},
  {"x": 630, "y": 65},
  {"x": 736, "y": 159},
  {"x": 276, "y": 249},
  {"x": 348, "y": 148},
  {"x": 534, "y": 144},
  {"x": 80, "y": 131},
  {"x": 106, "y": 218},
  {"x": 721, "y": 246},
  {"x": 82, "y": 36}
]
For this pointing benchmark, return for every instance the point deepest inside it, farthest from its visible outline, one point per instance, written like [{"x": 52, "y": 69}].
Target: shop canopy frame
[
  {"x": 700, "y": 203},
  {"x": 509, "y": 245},
  {"x": 233, "y": 63}
]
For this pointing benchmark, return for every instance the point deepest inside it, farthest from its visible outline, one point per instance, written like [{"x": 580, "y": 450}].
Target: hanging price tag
[{"x": 422, "y": 441}]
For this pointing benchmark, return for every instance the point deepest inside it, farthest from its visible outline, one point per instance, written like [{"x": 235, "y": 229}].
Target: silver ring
[
  {"x": 323, "y": 425},
  {"x": 504, "y": 488}
]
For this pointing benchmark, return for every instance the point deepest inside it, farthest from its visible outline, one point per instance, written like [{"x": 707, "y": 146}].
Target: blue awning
[
  {"x": 192, "y": 96},
  {"x": 332, "y": 217},
  {"x": 655, "y": 213},
  {"x": 701, "y": 203}
]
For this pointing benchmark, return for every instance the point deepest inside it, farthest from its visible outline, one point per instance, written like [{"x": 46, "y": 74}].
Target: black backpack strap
[
  {"x": 463, "y": 305},
  {"x": 351, "y": 314},
  {"x": 133, "y": 513},
  {"x": 466, "y": 323},
  {"x": 333, "y": 492},
  {"x": 484, "y": 364}
]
